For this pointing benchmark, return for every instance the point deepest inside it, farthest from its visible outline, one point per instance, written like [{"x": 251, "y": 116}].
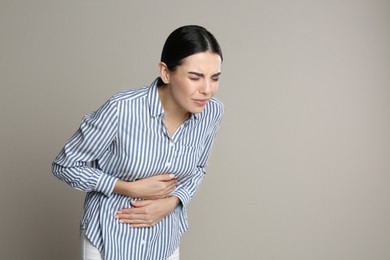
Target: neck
[{"x": 174, "y": 116}]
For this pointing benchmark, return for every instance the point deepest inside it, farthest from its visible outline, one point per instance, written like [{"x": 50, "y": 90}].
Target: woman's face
[{"x": 194, "y": 82}]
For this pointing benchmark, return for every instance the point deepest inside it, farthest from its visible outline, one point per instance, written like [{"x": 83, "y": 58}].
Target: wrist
[
  {"x": 173, "y": 201},
  {"x": 123, "y": 188}
]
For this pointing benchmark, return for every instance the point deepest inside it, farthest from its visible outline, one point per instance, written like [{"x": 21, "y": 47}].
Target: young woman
[{"x": 142, "y": 155}]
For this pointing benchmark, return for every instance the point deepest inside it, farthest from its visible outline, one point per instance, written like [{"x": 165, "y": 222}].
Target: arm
[
  {"x": 148, "y": 213},
  {"x": 95, "y": 134},
  {"x": 187, "y": 188},
  {"x": 151, "y": 188}
]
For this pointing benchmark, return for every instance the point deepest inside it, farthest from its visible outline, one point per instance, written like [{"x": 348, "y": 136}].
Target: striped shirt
[{"x": 126, "y": 139}]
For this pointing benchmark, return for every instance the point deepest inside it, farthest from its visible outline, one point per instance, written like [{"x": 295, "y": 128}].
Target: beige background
[{"x": 301, "y": 166}]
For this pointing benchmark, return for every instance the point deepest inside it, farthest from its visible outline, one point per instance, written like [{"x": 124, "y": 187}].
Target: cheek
[
  {"x": 187, "y": 88},
  {"x": 182, "y": 90},
  {"x": 215, "y": 87}
]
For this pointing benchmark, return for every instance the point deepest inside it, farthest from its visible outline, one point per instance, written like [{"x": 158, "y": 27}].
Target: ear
[{"x": 164, "y": 72}]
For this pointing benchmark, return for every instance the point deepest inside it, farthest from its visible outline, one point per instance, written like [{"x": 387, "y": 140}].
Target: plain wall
[{"x": 301, "y": 166}]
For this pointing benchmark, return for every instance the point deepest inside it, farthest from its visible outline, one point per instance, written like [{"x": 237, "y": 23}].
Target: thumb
[
  {"x": 140, "y": 203},
  {"x": 167, "y": 177}
]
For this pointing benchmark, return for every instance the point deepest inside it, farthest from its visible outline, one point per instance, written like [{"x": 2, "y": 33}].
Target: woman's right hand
[{"x": 151, "y": 188}]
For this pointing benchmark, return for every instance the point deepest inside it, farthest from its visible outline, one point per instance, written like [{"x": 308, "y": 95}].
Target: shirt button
[{"x": 168, "y": 164}]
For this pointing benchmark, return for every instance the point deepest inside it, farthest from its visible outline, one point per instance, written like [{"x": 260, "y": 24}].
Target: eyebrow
[{"x": 202, "y": 75}]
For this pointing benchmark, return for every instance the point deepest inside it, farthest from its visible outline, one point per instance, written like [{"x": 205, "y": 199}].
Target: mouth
[{"x": 201, "y": 102}]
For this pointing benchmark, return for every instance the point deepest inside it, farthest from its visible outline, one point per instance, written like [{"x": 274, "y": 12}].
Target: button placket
[{"x": 171, "y": 153}]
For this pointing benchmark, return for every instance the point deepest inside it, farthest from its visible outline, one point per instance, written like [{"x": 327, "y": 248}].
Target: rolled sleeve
[
  {"x": 187, "y": 189},
  {"x": 183, "y": 196},
  {"x": 95, "y": 134},
  {"x": 106, "y": 184}
]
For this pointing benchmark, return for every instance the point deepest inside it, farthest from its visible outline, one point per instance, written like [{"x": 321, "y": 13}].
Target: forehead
[{"x": 205, "y": 62}]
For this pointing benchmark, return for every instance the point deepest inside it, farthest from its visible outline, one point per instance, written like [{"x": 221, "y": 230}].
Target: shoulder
[
  {"x": 213, "y": 112},
  {"x": 130, "y": 95},
  {"x": 215, "y": 107}
]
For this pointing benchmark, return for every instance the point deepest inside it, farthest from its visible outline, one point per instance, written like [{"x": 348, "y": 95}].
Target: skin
[{"x": 187, "y": 90}]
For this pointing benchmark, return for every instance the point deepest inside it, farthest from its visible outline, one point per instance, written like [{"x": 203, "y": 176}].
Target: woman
[{"x": 142, "y": 155}]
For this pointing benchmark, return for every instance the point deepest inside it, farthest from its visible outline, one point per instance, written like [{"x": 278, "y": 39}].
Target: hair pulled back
[{"x": 186, "y": 41}]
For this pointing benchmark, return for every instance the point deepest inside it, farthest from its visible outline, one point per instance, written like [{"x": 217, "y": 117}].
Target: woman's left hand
[{"x": 146, "y": 213}]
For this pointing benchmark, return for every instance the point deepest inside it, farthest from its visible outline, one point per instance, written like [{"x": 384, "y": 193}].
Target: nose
[{"x": 206, "y": 87}]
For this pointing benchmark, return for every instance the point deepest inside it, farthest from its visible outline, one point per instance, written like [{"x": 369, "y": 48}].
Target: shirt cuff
[
  {"x": 106, "y": 184},
  {"x": 183, "y": 196}
]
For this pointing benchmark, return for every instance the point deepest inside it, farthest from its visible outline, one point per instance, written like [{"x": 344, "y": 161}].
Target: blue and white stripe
[{"x": 126, "y": 139}]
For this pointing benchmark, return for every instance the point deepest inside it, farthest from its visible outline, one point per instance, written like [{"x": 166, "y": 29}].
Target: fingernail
[{"x": 172, "y": 175}]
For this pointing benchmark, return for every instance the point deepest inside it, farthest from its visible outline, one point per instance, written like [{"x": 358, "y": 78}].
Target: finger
[
  {"x": 131, "y": 211},
  {"x": 135, "y": 219},
  {"x": 140, "y": 225},
  {"x": 131, "y": 221},
  {"x": 172, "y": 184},
  {"x": 140, "y": 203},
  {"x": 131, "y": 218},
  {"x": 167, "y": 193},
  {"x": 166, "y": 177},
  {"x": 170, "y": 189},
  {"x": 169, "y": 184}
]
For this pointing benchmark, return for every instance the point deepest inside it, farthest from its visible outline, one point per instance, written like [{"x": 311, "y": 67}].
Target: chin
[{"x": 196, "y": 110}]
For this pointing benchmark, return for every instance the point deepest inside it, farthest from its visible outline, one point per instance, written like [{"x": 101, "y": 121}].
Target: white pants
[{"x": 90, "y": 252}]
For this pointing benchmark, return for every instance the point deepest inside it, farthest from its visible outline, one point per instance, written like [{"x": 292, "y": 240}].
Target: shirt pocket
[{"x": 186, "y": 160}]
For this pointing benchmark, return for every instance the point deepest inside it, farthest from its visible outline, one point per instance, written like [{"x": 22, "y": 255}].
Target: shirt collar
[{"x": 155, "y": 105}]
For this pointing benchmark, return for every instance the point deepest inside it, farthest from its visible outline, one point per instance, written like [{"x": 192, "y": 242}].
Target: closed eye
[{"x": 215, "y": 77}]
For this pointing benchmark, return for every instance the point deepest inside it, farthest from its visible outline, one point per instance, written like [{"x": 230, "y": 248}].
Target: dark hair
[{"x": 186, "y": 41}]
